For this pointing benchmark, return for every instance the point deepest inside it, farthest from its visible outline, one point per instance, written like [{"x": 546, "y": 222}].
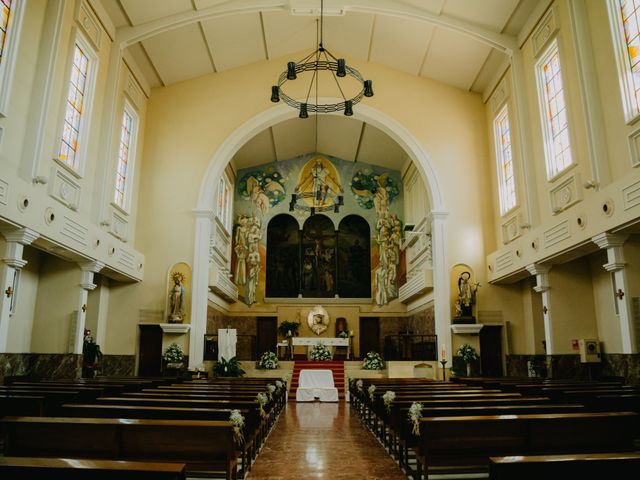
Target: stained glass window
[
  {"x": 5, "y": 5},
  {"x": 630, "y": 20},
  {"x": 506, "y": 177},
  {"x": 555, "y": 118},
  {"x": 74, "y": 107},
  {"x": 125, "y": 149}
]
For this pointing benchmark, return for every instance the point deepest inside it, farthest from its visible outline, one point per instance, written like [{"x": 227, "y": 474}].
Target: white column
[
  {"x": 200, "y": 287},
  {"x": 441, "y": 281},
  {"x": 542, "y": 286},
  {"x": 615, "y": 263},
  {"x": 11, "y": 263},
  {"x": 86, "y": 284}
]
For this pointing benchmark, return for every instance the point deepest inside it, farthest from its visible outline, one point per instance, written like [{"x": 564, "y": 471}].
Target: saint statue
[{"x": 176, "y": 299}]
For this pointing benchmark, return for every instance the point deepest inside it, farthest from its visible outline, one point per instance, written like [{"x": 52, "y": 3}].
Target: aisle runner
[{"x": 336, "y": 366}]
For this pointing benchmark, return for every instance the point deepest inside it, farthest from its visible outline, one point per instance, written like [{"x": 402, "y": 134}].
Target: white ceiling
[{"x": 414, "y": 46}]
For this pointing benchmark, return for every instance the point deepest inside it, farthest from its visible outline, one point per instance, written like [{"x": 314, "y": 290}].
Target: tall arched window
[
  {"x": 318, "y": 257},
  {"x": 354, "y": 259},
  {"x": 283, "y": 253}
]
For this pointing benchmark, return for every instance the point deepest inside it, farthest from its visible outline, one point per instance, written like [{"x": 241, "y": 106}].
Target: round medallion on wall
[
  {"x": 581, "y": 221},
  {"x": 318, "y": 320},
  {"x": 23, "y": 203},
  {"x": 608, "y": 207},
  {"x": 49, "y": 215},
  {"x": 111, "y": 250}
]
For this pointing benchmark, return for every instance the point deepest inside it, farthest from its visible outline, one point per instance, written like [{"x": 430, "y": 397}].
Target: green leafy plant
[
  {"x": 230, "y": 368},
  {"x": 467, "y": 353},
  {"x": 173, "y": 354},
  {"x": 343, "y": 334},
  {"x": 373, "y": 361},
  {"x": 320, "y": 352},
  {"x": 288, "y": 329},
  {"x": 268, "y": 361}
]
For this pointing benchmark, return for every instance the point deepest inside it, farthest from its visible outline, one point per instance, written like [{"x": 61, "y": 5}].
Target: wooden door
[
  {"x": 267, "y": 335},
  {"x": 369, "y": 335},
  {"x": 491, "y": 350},
  {"x": 150, "y": 351}
]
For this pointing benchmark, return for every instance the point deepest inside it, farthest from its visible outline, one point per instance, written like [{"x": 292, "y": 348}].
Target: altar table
[
  {"x": 326, "y": 341},
  {"x": 316, "y": 384}
]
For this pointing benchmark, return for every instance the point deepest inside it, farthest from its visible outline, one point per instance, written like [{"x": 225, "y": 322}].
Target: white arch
[{"x": 206, "y": 200}]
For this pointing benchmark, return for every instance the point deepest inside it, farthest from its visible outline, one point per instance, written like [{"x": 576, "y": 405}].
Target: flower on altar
[{"x": 320, "y": 352}]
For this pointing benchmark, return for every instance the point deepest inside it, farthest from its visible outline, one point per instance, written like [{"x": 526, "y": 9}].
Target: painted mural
[{"x": 308, "y": 250}]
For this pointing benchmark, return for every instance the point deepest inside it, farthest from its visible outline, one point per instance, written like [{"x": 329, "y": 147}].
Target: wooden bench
[
  {"x": 204, "y": 446},
  {"x": 27, "y": 468},
  {"x": 468, "y": 442},
  {"x": 589, "y": 466}
]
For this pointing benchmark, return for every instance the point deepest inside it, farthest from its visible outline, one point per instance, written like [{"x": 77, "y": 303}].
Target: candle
[{"x": 442, "y": 354}]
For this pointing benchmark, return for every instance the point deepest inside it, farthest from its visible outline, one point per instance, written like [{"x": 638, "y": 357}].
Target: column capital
[
  {"x": 609, "y": 240},
  {"x": 438, "y": 215},
  {"x": 23, "y": 236},
  {"x": 203, "y": 213},
  {"x": 538, "y": 269},
  {"x": 93, "y": 266}
]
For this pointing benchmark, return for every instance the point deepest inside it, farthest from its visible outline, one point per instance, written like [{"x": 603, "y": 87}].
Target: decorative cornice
[
  {"x": 609, "y": 240},
  {"x": 94, "y": 267},
  {"x": 23, "y": 236},
  {"x": 538, "y": 269}
]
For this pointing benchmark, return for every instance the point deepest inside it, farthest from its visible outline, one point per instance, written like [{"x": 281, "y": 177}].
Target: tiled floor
[{"x": 325, "y": 441}]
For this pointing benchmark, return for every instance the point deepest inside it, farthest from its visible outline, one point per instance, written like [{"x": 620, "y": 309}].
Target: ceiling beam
[{"x": 127, "y": 35}]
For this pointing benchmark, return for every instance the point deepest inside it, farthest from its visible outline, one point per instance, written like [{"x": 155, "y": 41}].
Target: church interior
[{"x": 393, "y": 222}]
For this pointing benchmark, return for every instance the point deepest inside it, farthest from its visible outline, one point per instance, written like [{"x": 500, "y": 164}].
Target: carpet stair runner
[{"x": 337, "y": 367}]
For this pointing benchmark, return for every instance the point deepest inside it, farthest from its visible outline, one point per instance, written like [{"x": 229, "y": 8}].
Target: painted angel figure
[{"x": 260, "y": 196}]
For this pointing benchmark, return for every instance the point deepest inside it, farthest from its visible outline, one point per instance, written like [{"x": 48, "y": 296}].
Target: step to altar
[{"x": 336, "y": 367}]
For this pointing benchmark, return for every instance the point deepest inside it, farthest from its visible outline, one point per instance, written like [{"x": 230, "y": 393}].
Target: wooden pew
[
  {"x": 204, "y": 446},
  {"x": 27, "y": 468},
  {"x": 468, "y": 442},
  {"x": 589, "y": 466}
]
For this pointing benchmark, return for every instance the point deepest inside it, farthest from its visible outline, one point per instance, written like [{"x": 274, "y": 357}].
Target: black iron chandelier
[{"x": 319, "y": 60}]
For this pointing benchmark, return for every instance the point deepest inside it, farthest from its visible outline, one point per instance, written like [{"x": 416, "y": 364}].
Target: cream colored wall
[
  {"x": 188, "y": 121},
  {"x": 572, "y": 305},
  {"x": 21, "y": 323},
  {"x": 56, "y": 302}
]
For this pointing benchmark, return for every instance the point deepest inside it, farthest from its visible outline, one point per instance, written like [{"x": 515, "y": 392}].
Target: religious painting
[
  {"x": 264, "y": 188},
  {"x": 319, "y": 184},
  {"x": 354, "y": 237},
  {"x": 318, "y": 320},
  {"x": 318, "y": 257},
  {"x": 374, "y": 189},
  {"x": 246, "y": 246},
  {"x": 283, "y": 255}
]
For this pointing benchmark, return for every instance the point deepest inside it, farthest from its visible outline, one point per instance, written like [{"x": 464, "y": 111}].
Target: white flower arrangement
[
  {"x": 343, "y": 334},
  {"x": 373, "y": 361},
  {"x": 279, "y": 385},
  {"x": 262, "y": 400},
  {"x": 268, "y": 361},
  {"x": 320, "y": 352},
  {"x": 236, "y": 419},
  {"x": 270, "y": 389},
  {"x": 371, "y": 390},
  {"x": 388, "y": 397},
  {"x": 359, "y": 385},
  {"x": 468, "y": 353},
  {"x": 173, "y": 354},
  {"x": 415, "y": 413}
]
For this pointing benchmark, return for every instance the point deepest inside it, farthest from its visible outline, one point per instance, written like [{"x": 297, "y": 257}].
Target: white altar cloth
[
  {"x": 316, "y": 384},
  {"x": 326, "y": 341}
]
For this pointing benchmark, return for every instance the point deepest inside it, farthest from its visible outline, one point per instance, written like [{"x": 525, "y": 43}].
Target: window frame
[
  {"x": 552, "y": 171},
  {"x": 224, "y": 210},
  {"x": 630, "y": 107},
  {"x": 86, "y": 116},
  {"x": 127, "y": 107},
  {"x": 504, "y": 209},
  {"x": 10, "y": 54}
]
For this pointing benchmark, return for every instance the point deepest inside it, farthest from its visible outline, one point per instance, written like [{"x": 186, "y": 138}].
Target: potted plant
[
  {"x": 320, "y": 352},
  {"x": 468, "y": 355},
  {"x": 372, "y": 361},
  {"x": 91, "y": 356},
  {"x": 288, "y": 329},
  {"x": 228, "y": 368},
  {"x": 268, "y": 361}
]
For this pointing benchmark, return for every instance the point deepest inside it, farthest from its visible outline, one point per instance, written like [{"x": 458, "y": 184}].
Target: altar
[
  {"x": 316, "y": 384},
  {"x": 326, "y": 341}
]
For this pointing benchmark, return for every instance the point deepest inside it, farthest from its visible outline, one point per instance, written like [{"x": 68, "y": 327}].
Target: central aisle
[{"x": 322, "y": 440}]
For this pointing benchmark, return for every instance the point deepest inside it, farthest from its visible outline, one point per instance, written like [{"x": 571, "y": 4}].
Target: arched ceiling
[{"x": 458, "y": 42}]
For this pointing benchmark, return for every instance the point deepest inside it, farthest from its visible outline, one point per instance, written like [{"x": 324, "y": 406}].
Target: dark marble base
[
  {"x": 40, "y": 366},
  {"x": 570, "y": 367},
  {"x": 118, "y": 365}
]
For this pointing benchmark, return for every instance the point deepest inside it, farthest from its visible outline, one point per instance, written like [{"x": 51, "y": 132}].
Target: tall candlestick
[{"x": 443, "y": 353}]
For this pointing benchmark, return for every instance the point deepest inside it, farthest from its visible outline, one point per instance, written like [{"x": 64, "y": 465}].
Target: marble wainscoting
[
  {"x": 118, "y": 365},
  {"x": 41, "y": 366},
  {"x": 621, "y": 365}
]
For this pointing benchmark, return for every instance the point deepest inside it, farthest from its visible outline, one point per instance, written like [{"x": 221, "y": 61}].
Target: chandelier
[{"x": 317, "y": 61}]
